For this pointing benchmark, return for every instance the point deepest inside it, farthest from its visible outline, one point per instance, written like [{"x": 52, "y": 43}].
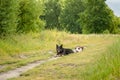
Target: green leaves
[
  {"x": 29, "y": 16},
  {"x": 8, "y": 16},
  {"x": 52, "y": 12},
  {"x": 69, "y": 15},
  {"x": 20, "y": 16},
  {"x": 75, "y": 16},
  {"x": 96, "y": 18}
]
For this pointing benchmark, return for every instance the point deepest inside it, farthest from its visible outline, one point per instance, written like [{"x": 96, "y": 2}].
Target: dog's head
[{"x": 59, "y": 49}]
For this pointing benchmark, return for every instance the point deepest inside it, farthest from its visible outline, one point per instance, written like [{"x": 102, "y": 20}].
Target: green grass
[
  {"x": 28, "y": 42},
  {"x": 18, "y": 50},
  {"x": 108, "y": 66},
  {"x": 87, "y": 65}
]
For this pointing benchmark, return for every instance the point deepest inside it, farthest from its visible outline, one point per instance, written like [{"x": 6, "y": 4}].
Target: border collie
[{"x": 63, "y": 51}]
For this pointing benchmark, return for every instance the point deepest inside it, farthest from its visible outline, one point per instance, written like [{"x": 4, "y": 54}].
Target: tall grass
[
  {"x": 17, "y": 50},
  {"x": 46, "y": 40},
  {"x": 30, "y": 42},
  {"x": 107, "y": 67}
]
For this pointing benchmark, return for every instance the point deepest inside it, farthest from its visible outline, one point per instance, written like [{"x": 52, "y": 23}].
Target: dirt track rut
[{"x": 18, "y": 71}]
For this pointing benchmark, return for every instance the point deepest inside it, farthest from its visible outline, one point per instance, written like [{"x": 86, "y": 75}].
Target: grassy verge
[
  {"x": 107, "y": 67},
  {"x": 18, "y": 50},
  {"x": 80, "y": 66},
  {"x": 17, "y": 44}
]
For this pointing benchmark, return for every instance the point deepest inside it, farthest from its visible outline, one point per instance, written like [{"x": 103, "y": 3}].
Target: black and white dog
[
  {"x": 78, "y": 49},
  {"x": 65, "y": 51}
]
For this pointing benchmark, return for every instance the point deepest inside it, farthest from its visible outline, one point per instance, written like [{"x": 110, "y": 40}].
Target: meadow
[{"x": 99, "y": 60}]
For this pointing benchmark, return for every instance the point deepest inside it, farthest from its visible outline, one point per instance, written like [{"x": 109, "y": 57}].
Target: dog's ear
[
  {"x": 61, "y": 45},
  {"x": 56, "y": 45}
]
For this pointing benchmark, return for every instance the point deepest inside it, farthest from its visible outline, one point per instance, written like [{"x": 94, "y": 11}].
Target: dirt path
[{"x": 18, "y": 71}]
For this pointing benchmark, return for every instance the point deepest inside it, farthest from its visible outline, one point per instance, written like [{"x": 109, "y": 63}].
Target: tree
[
  {"x": 97, "y": 17},
  {"x": 116, "y": 28},
  {"x": 51, "y": 13},
  {"x": 70, "y": 15},
  {"x": 30, "y": 10},
  {"x": 8, "y": 16}
]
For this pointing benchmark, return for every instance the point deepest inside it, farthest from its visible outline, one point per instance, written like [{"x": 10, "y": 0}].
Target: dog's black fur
[{"x": 63, "y": 51}]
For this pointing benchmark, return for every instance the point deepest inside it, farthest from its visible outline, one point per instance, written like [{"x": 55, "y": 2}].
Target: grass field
[
  {"x": 18, "y": 50},
  {"x": 91, "y": 64}
]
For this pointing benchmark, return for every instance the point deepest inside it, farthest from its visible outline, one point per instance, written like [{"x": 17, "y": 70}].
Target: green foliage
[
  {"x": 117, "y": 23},
  {"x": 75, "y": 16},
  {"x": 69, "y": 15},
  {"x": 52, "y": 12},
  {"x": 106, "y": 32},
  {"x": 30, "y": 11},
  {"x": 97, "y": 17},
  {"x": 8, "y": 16}
]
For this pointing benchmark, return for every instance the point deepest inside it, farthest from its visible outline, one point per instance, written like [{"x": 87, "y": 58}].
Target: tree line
[{"x": 75, "y": 16}]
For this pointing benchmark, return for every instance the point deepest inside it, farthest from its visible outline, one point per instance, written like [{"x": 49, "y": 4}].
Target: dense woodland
[{"x": 75, "y": 16}]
